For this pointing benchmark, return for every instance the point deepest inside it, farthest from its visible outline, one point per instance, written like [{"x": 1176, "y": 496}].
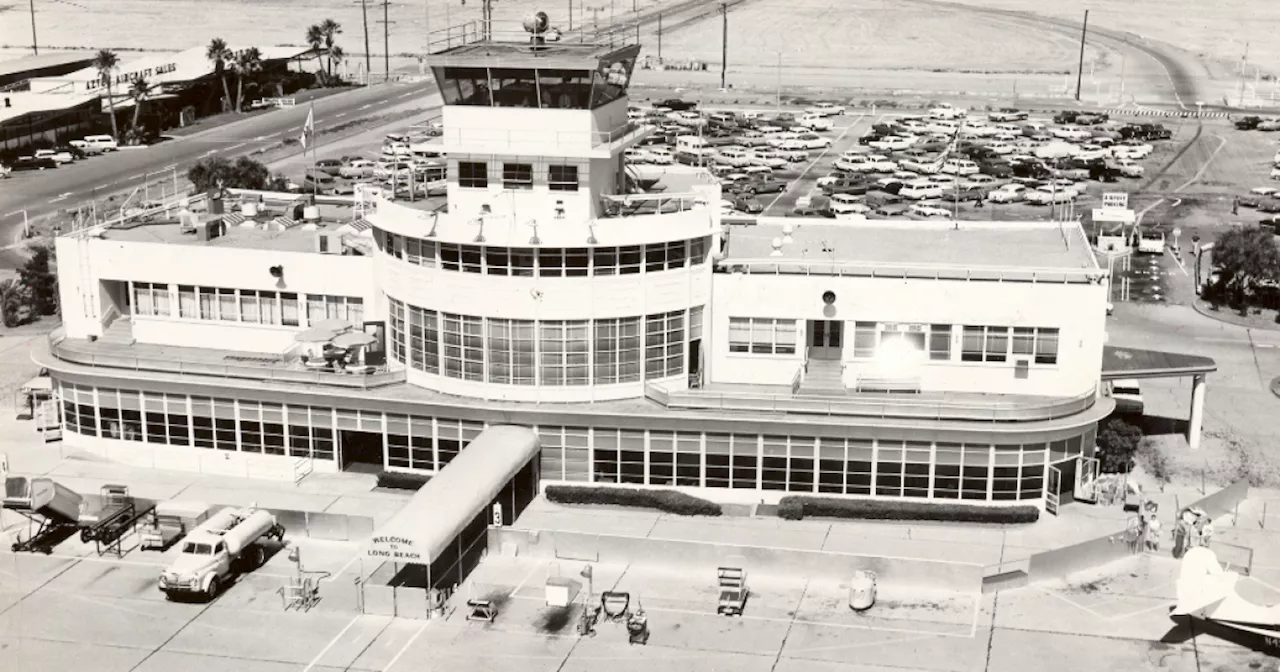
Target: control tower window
[
  {"x": 610, "y": 81},
  {"x": 565, "y": 89},
  {"x": 464, "y": 86},
  {"x": 514, "y": 87},
  {"x": 517, "y": 176},
  {"x": 473, "y": 174}
]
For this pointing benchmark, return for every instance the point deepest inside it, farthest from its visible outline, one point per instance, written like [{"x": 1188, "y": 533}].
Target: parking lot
[{"x": 970, "y": 164}]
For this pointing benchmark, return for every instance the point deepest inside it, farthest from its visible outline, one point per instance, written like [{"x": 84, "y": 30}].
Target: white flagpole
[{"x": 311, "y": 131}]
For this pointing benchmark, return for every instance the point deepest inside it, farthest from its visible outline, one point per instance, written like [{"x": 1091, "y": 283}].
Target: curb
[{"x": 1217, "y": 316}]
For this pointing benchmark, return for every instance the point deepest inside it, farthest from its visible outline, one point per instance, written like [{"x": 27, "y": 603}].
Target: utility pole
[
  {"x": 368, "y": 66},
  {"x": 659, "y": 37},
  {"x": 570, "y": 15},
  {"x": 777, "y": 96},
  {"x": 386, "y": 40},
  {"x": 35, "y": 48},
  {"x": 724, "y": 41},
  {"x": 595, "y": 19},
  {"x": 1084, "y": 30},
  {"x": 1244, "y": 61}
]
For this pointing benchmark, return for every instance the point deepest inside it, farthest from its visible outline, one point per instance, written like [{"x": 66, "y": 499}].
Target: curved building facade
[{"x": 646, "y": 342}]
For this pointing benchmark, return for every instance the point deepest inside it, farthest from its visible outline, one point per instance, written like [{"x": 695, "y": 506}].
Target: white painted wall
[
  {"x": 507, "y": 130},
  {"x": 83, "y": 264},
  {"x": 1077, "y": 310},
  {"x": 198, "y": 460}
]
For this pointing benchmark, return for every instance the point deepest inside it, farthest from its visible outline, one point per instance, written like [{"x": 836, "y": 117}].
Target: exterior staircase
[
  {"x": 120, "y": 332},
  {"x": 824, "y": 377}
]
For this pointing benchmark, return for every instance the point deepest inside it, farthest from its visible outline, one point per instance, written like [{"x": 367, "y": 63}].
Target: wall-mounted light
[
  {"x": 591, "y": 234},
  {"x": 277, "y": 272},
  {"x": 534, "y": 239},
  {"x": 559, "y": 209}
]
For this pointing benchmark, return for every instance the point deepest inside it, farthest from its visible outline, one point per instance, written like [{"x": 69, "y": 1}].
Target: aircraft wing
[{"x": 1208, "y": 592}]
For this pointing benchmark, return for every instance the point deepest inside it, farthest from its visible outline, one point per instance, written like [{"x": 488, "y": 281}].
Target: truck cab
[{"x": 1128, "y": 397}]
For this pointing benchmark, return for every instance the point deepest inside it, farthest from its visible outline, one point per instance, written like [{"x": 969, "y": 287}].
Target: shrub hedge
[
  {"x": 667, "y": 501},
  {"x": 797, "y": 507},
  {"x": 398, "y": 480}
]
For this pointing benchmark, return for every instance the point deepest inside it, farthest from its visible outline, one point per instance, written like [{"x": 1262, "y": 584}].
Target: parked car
[
  {"x": 60, "y": 157},
  {"x": 1009, "y": 193},
  {"x": 1131, "y": 168},
  {"x": 34, "y": 163},
  {"x": 358, "y": 169},
  {"x": 105, "y": 143},
  {"x": 1007, "y": 114},
  {"x": 848, "y": 204},
  {"x": 5, "y": 171},
  {"x": 959, "y": 167},
  {"x": 87, "y": 148},
  {"x": 747, "y": 204},
  {"x": 853, "y": 186},
  {"x": 919, "y": 190},
  {"x": 963, "y": 194},
  {"x": 771, "y": 158},
  {"x": 762, "y": 185},
  {"x": 816, "y": 122},
  {"x": 1046, "y": 196},
  {"x": 923, "y": 210},
  {"x": 332, "y": 167},
  {"x": 825, "y": 109},
  {"x": 678, "y": 105}
]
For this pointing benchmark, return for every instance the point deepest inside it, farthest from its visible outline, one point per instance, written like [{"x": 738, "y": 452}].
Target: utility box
[{"x": 561, "y": 591}]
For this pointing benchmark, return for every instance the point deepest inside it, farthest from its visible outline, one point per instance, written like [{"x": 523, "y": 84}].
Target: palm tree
[
  {"x": 105, "y": 63},
  {"x": 247, "y": 64},
  {"x": 138, "y": 92},
  {"x": 329, "y": 28},
  {"x": 337, "y": 55},
  {"x": 218, "y": 53},
  {"x": 315, "y": 38}
]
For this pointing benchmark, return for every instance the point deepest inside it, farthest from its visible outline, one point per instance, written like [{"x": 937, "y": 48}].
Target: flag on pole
[{"x": 309, "y": 128}]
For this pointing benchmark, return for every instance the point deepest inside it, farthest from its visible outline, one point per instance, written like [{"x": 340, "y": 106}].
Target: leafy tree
[
  {"x": 1245, "y": 257},
  {"x": 13, "y": 298},
  {"x": 39, "y": 279},
  {"x": 139, "y": 92},
  {"x": 218, "y": 53},
  {"x": 247, "y": 64},
  {"x": 105, "y": 62},
  {"x": 243, "y": 173},
  {"x": 1118, "y": 442}
]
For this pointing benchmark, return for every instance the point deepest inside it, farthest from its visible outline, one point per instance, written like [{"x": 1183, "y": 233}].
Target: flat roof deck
[
  {"x": 1030, "y": 245},
  {"x": 298, "y": 238}
]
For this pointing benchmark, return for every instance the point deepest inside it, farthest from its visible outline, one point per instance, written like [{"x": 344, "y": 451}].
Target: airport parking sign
[{"x": 1118, "y": 201}]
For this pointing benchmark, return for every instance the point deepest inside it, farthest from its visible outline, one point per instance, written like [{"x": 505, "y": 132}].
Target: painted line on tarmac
[
  {"x": 411, "y": 93},
  {"x": 260, "y": 138},
  {"x": 61, "y": 197},
  {"x": 1203, "y": 168},
  {"x": 816, "y": 159},
  {"x": 1242, "y": 341},
  {"x": 170, "y": 166},
  {"x": 233, "y": 148},
  {"x": 209, "y": 153},
  {"x": 333, "y": 641},
  {"x": 339, "y": 115},
  {"x": 404, "y": 648},
  {"x": 365, "y": 107},
  {"x": 523, "y": 581}
]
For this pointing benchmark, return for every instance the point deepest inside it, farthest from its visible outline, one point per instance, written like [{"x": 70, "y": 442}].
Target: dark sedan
[
  {"x": 851, "y": 187},
  {"x": 678, "y": 105},
  {"x": 32, "y": 163},
  {"x": 764, "y": 185},
  {"x": 329, "y": 166}
]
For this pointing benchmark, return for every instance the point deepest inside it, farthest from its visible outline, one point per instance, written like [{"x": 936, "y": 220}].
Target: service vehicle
[
  {"x": 229, "y": 542},
  {"x": 1151, "y": 242},
  {"x": 170, "y": 522}
]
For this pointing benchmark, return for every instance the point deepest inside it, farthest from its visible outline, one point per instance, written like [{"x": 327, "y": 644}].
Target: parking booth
[{"x": 432, "y": 544}]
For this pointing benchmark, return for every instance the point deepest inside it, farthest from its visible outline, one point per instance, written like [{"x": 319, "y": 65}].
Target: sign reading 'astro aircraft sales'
[{"x": 393, "y": 548}]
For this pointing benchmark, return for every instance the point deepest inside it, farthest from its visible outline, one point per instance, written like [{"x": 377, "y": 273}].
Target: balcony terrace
[
  {"x": 282, "y": 368},
  {"x": 972, "y": 407}
]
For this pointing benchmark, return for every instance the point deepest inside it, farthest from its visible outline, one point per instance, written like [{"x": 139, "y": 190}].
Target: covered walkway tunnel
[{"x": 439, "y": 537}]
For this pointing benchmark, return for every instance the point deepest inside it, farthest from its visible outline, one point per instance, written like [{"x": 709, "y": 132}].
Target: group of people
[{"x": 1193, "y": 527}]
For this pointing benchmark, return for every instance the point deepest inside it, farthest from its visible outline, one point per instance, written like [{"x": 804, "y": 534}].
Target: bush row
[
  {"x": 667, "y": 501},
  {"x": 797, "y": 507},
  {"x": 398, "y": 480}
]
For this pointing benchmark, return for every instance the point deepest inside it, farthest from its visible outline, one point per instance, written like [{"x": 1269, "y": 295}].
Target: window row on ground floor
[{"x": 749, "y": 461}]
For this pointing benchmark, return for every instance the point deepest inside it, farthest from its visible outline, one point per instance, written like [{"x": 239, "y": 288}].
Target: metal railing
[
  {"x": 533, "y": 140},
  {"x": 628, "y": 205},
  {"x": 513, "y": 33},
  {"x": 928, "y": 271},
  {"x": 275, "y": 372},
  {"x": 874, "y": 406}
]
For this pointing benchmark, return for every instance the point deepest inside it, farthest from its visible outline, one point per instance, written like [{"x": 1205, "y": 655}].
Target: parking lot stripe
[
  {"x": 330, "y": 644},
  {"x": 404, "y": 648}
]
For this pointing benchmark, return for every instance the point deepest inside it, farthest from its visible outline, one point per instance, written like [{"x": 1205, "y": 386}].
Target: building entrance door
[{"x": 826, "y": 339}]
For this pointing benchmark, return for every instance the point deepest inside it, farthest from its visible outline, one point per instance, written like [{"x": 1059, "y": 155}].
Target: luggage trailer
[{"x": 119, "y": 515}]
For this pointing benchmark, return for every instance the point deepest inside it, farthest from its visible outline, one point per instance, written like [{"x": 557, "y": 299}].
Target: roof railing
[
  {"x": 931, "y": 271},
  {"x": 618, "y": 34}
]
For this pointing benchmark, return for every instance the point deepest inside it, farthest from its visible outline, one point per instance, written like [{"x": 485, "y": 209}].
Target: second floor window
[
  {"x": 517, "y": 176},
  {"x": 473, "y": 174},
  {"x": 563, "y": 178}
]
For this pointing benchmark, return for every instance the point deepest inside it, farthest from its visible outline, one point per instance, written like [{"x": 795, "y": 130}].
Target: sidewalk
[{"x": 342, "y": 493}]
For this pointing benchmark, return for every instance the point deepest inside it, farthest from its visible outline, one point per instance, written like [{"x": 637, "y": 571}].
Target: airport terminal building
[{"x": 643, "y": 340}]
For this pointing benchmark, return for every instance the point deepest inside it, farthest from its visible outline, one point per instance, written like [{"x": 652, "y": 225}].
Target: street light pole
[
  {"x": 35, "y": 48},
  {"x": 368, "y": 65},
  {"x": 724, "y": 41},
  {"x": 386, "y": 40}
]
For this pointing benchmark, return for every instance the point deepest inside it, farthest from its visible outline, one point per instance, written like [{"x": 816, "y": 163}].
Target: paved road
[{"x": 42, "y": 193}]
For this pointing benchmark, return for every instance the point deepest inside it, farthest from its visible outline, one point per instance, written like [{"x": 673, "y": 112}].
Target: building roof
[
  {"x": 963, "y": 245},
  {"x": 157, "y": 68},
  {"x": 22, "y": 103},
  {"x": 441, "y": 509},
  {"x": 54, "y": 59},
  {"x": 297, "y": 238}
]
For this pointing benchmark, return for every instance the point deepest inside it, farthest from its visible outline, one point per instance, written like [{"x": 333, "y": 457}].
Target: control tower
[{"x": 535, "y": 119}]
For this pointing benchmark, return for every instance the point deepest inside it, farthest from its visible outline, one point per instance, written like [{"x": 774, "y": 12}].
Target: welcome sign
[{"x": 390, "y": 547}]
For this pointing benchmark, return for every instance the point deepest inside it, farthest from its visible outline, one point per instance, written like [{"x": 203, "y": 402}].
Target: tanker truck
[{"x": 230, "y": 541}]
